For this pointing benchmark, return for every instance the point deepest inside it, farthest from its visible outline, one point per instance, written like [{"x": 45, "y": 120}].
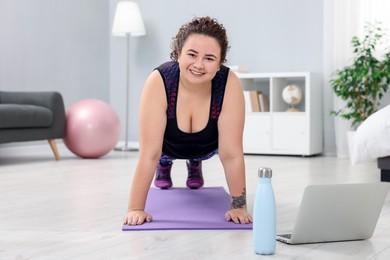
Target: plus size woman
[{"x": 192, "y": 108}]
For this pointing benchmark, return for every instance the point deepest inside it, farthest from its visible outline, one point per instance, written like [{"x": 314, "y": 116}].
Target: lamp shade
[{"x": 128, "y": 20}]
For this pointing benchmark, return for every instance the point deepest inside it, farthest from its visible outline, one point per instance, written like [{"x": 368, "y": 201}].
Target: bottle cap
[{"x": 265, "y": 172}]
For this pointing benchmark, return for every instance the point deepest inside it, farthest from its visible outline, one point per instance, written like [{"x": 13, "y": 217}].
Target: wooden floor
[{"x": 73, "y": 208}]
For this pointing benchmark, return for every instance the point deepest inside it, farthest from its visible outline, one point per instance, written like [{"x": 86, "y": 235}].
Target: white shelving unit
[{"x": 278, "y": 131}]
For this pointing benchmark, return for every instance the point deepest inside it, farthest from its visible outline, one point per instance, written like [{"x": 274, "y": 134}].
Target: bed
[{"x": 372, "y": 142}]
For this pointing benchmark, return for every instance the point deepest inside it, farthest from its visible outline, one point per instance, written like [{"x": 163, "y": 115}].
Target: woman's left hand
[{"x": 239, "y": 216}]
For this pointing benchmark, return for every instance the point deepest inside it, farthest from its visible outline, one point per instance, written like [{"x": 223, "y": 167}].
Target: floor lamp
[{"x": 127, "y": 23}]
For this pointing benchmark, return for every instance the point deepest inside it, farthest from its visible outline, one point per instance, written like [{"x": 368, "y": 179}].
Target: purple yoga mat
[{"x": 185, "y": 209}]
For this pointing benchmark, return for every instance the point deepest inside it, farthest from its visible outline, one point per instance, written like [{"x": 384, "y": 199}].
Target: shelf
[{"x": 276, "y": 130}]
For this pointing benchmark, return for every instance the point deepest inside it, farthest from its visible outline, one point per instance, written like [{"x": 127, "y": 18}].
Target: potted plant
[{"x": 363, "y": 83}]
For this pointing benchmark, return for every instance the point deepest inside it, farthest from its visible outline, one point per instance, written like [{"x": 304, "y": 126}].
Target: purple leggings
[{"x": 166, "y": 159}]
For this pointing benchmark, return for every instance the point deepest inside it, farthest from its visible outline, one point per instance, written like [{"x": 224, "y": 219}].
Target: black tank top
[{"x": 182, "y": 145}]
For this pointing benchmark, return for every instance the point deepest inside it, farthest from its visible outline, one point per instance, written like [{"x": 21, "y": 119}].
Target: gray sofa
[
  {"x": 384, "y": 166},
  {"x": 32, "y": 116}
]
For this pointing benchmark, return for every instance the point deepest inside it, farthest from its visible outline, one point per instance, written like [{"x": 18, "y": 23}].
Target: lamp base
[{"x": 125, "y": 148}]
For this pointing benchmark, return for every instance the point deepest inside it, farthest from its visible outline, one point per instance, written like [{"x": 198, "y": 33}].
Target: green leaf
[{"x": 363, "y": 83}]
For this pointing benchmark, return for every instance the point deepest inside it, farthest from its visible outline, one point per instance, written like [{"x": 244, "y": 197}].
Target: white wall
[{"x": 55, "y": 45}]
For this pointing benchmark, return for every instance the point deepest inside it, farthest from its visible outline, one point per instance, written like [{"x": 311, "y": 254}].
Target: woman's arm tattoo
[{"x": 238, "y": 202}]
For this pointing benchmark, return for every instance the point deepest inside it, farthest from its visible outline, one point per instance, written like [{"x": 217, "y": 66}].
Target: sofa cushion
[{"x": 24, "y": 116}]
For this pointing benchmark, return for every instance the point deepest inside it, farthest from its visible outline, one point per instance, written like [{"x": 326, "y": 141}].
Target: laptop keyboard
[{"x": 285, "y": 235}]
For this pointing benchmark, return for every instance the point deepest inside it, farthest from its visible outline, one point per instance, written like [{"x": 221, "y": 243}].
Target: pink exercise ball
[{"x": 92, "y": 128}]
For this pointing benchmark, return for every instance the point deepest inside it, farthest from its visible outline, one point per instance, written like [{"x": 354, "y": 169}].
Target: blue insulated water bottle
[{"x": 264, "y": 215}]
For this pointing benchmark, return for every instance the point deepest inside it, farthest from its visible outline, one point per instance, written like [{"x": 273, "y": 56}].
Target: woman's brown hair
[{"x": 200, "y": 25}]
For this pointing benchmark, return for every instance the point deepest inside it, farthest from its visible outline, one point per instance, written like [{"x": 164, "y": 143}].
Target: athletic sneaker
[
  {"x": 163, "y": 177},
  {"x": 195, "y": 178}
]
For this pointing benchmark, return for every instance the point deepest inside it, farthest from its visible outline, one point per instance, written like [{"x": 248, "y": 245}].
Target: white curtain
[{"x": 344, "y": 19}]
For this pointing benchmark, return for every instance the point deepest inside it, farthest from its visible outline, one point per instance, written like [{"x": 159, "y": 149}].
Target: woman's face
[{"x": 200, "y": 58}]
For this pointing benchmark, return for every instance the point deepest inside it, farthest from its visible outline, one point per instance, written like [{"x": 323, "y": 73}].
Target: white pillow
[{"x": 372, "y": 139}]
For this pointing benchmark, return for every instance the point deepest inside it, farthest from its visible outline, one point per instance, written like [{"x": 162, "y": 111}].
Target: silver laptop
[{"x": 337, "y": 212}]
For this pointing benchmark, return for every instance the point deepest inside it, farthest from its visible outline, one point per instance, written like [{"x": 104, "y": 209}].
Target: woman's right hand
[{"x": 137, "y": 217}]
